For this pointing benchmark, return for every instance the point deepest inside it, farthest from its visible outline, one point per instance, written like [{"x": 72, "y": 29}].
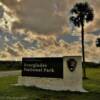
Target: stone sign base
[{"x": 71, "y": 81}]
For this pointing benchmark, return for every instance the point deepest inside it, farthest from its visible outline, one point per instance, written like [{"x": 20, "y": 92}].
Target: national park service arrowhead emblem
[{"x": 71, "y": 63}]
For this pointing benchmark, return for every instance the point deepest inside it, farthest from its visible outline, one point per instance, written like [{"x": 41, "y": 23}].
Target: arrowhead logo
[{"x": 71, "y": 63}]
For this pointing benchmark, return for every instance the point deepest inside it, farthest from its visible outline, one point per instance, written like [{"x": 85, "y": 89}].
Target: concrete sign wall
[{"x": 72, "y": 77}]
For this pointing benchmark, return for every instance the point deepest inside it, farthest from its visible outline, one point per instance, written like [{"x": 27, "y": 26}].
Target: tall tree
[{"x": 82, "y": 13}]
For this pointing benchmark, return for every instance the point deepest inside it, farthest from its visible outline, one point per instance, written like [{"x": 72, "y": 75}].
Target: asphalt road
[{"x": 9, "y": 73}]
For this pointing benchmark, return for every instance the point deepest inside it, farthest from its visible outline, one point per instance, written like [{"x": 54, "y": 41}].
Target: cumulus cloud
[
  {"x": 38, "y": 32},
  {"x": 48, "y": 46}
]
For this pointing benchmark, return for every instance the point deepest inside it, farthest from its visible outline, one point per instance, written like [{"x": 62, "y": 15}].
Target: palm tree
[{"x": 81, "y": 13}]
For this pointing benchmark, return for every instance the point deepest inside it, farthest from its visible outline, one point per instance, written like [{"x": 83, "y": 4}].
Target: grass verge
[{"x": 9, "y": 92}]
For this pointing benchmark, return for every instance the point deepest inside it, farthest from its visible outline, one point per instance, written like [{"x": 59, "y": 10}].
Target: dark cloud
[{"x": 39, "y": 15}]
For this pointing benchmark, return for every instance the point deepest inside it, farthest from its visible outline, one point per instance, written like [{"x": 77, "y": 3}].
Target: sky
[{"x": 41, "y": 28}]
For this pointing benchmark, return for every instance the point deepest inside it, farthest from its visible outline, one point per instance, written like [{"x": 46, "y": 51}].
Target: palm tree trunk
[{"x": 83, "y": 52}]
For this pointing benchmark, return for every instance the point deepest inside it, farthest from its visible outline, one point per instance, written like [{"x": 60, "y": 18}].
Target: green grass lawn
[{"x": 9, "y": 92}]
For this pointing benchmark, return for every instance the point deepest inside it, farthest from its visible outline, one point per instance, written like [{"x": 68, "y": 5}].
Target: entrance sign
[{"x": 62, "y": 73}]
